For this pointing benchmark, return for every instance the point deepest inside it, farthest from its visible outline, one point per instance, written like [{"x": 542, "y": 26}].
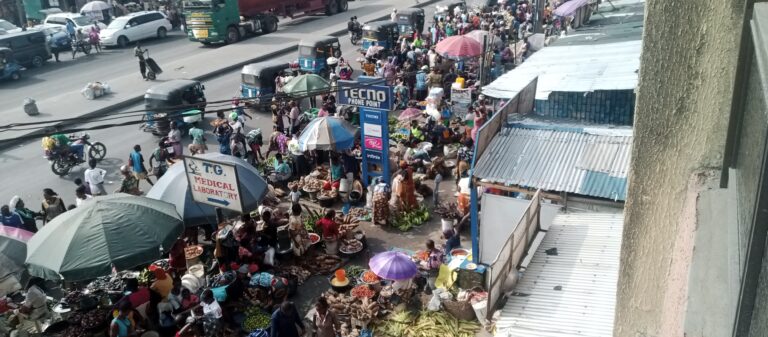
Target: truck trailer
[{"x": 227, "y": 21}]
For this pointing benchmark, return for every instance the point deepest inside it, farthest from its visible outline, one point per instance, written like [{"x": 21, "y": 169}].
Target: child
[{"x": 295, "y": 195}]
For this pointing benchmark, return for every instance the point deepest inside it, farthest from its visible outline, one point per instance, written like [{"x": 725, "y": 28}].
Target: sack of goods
[{"x": 254, "y": 137}]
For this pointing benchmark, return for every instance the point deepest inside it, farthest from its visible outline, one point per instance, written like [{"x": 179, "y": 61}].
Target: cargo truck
[{"x": 227, "y": 21}]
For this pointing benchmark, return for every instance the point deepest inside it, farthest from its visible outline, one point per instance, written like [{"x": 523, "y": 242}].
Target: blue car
[
  {"x": 57, "y": 39},
  {"x": 10, "y": 69}
]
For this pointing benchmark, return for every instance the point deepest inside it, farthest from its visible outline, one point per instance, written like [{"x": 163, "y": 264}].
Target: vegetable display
[
  {"x": 363, "y": 291},
  {"x": 427, "y": 324},
  {"x": 370, "y": 277},
  {"x": 299, "y": 273},
  {"x": 255, "y": 318},
  {"x": 448, "y": 211},
  {"x": 322, "y": 264},
  {"x": 354, "y": 271},
  {"x": 351, "y": 246},
  {"x": 361, "y": 309},
  {"x": 407, "y": 220},
  {"x": 359, "y": 212},
  {"x": 310, "y": 219}
]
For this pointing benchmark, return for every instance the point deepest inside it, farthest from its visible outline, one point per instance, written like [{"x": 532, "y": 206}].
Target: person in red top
[
  {"x": 329, "y": 227},
  {"x": 177, "y": 258}
]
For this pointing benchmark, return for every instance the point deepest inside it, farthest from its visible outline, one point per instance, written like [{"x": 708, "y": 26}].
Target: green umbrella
[
  {"x": 117, "y": 231},
  {"x": 307, "y": 83}
]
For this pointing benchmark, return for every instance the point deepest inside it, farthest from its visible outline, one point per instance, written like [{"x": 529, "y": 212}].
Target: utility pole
[
  {"x": 538, "y": 17},
  {"x": 21, "y": 16}
]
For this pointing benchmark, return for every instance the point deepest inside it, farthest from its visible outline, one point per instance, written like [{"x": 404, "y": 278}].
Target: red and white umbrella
[
  {"x": 459, "y": 47},
  {"x": 477, "y": 35}
]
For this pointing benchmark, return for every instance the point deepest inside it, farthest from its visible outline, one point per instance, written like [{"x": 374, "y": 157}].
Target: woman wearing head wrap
[
  {"x": 27, "y": 215},
  {"x": 407, "y": 187},
  {"x": 52, "y": 205},
  {"x": 380, "y": 204}
]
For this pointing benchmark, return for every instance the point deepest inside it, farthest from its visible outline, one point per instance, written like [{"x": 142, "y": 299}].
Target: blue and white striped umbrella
[{"x": 327, "y": 133}]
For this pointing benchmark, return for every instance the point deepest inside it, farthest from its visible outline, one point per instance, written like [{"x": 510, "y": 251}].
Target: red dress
[
  {"x": 329, "y": 228},
  {"x": 177, "y": 259}
]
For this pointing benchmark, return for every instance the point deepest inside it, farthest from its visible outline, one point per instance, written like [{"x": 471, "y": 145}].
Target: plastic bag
[
  {"x": 269, "y": 257},
  {"x": 434, "y": 302}
]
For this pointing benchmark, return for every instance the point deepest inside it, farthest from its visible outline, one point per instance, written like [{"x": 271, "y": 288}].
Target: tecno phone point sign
[{"x": 365, "y": 95}]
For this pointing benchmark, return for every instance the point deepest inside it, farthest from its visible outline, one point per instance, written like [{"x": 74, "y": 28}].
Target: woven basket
[{"x": 462, "y": 310}]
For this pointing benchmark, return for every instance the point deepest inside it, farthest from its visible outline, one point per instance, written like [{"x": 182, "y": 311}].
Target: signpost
[
  {"x": 213, "y": 183},
  {"x": 365, "y": 95},
  {"x": 461, "y": 99},
  {"x": 374, "y": 102},
  {"x": 374, "y": 123}
]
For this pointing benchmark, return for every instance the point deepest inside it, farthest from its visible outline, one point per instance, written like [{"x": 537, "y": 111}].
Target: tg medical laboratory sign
[{"x": 213, "y": 183}]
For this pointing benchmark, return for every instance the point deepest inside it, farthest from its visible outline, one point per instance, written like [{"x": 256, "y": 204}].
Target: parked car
[
  {"x": 57, "y": 39},
  {"x": 81, "y": 22},
  {"x": 30, "y": 47},
  {"x": 7, "y": 27},
  {"x": 134, "y": 27}
]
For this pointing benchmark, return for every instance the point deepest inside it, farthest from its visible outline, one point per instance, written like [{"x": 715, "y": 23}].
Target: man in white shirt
[{"x": 94, "y": 177}]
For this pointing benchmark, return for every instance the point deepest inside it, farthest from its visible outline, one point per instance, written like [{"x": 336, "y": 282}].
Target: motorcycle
[
  {"x": 355, "y": 36},
  {"x": 83, "y": 46},
  {"x": 63, "y": 161}
]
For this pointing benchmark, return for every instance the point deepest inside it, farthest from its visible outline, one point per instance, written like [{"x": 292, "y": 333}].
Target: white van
[
  {"x": 134, "y": 27},
  {"x": 81, "y": 22}
]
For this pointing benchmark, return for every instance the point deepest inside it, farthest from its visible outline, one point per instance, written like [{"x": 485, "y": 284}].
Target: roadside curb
[{"x": 129, "y": 101}]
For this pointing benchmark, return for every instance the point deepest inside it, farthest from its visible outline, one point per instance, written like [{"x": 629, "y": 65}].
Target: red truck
[{"x": 214, "y": 21}]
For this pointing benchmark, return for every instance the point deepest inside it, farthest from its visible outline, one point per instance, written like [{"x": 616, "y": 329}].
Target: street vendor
[
  {"x": 282, "y": 170},
  {"x": 325, "y": 321},
  {"x": 337, "y": 171},
  {"x": 380, "y": 202},
  {"x": 406, "y": 190},
  {"x": 431, "y": 266},
  {"x": 299, "y": 235},
  {"x": 163, "y": 283},
  {"x": 451, "y": 236},
  {"x": 177, "y": 257},
  {"x": 329, "y": 227},
  {"x": 33, "y": 309},
  {"x": 276, "y": 287},
  {"x": 416, "y": 134}
]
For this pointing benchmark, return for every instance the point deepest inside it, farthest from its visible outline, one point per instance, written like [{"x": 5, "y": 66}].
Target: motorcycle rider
[
  {"x": 65, "y": 145},
  {"x": 354, "y": 28},
  {"x": 78, "y": 41}
]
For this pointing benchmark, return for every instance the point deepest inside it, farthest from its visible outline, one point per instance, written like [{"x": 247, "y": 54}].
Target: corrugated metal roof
[
  {"x": 579, "y": 68},
  {"x": 580, "y": 161},
  {"x": 586, "y": 267}
]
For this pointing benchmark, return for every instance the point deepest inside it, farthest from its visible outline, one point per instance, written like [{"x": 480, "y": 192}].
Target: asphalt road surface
[
  {"x": 26, "y": 172},
  {"x": 54, "y": 78}
]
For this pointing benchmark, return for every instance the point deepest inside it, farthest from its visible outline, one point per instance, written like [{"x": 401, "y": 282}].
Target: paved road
[
  {"x": 61, "y": 102},
  {"x": 27, "y": 173},
  {"x": 43, "y": 82}
]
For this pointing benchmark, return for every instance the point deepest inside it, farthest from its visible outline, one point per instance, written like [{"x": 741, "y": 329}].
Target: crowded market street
[{"x": 314, "y": 181}]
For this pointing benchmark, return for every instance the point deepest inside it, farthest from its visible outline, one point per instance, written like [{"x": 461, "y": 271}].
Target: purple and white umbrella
[
  {"x": 327, "y": 133},
  {"x": 393, "y": 265},
  {"x": 410, "y": 114}
]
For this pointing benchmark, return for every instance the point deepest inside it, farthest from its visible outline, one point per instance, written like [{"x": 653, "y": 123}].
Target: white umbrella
[{"x": 95, "y": 6}]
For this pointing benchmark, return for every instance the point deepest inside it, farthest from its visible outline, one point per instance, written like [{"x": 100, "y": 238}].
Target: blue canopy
[
  {"x": 328, "y": 133},
  {"x": 174, "y": 188}
]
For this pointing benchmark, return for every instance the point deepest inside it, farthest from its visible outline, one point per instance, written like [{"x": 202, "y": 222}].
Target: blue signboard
[
  {"x": 365, "y": 95},
  {"x": 374, "y": 124}
]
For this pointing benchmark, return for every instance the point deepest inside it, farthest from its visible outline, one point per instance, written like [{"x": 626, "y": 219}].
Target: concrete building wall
[
  {"x": 684, "y": 95},
  {"x": 752, "y": 142}
]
